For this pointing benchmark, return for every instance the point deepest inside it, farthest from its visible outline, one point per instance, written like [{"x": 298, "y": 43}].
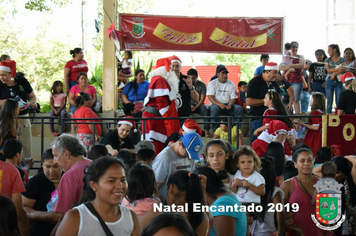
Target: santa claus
[{"x": 162, "y": 100}]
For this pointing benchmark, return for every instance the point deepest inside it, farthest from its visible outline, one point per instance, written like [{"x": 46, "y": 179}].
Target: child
[
  {"x": 287, "y": 59},
  {"x": 241, "y": 98},
  {"x": 8, "y": 224},
  {"x": 248, "y": 184},
  {"x": 9, "y": 123},
  {"x": 291, "y": 229},
  {"x": 85, "y": 131},
  {"x": 140, "y": 193},
  {"x": 126, "y": 71},
  {"x": 222, "y": 133},
  {"x": 264, "y": 58},
  {"x": 313, "y": 136},
  {"x": 58, "y": 101},
  {"x": 13, "y": 153},
  {"x": 275, "y": 106}
]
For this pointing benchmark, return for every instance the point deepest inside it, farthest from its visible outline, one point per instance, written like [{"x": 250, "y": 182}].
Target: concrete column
[{"x": 109, "y": 60}]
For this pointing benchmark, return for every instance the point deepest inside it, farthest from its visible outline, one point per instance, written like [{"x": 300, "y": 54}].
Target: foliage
[
  {"x": 43, "y": 5},
  {"x": 45, "y": 107},
  {"x": 248, "y": 62},
  {"x": 97, "y": 78}
]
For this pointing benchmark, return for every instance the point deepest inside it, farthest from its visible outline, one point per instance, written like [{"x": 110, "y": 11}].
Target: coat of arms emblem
[
  {"x": 328, "y": 205},
  {"x": 137, "y": 30}
]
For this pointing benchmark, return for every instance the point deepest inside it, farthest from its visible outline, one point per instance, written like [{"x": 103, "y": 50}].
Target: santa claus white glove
[{"x": 178, "y": 101}]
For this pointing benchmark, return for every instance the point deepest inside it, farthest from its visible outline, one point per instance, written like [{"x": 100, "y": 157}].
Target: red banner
[
  {"x": 227, "y": 35},
  {"x": 340, "y": 130}
]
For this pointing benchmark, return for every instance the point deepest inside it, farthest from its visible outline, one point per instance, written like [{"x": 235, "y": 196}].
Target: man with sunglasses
[
  {"x": 256, "y": 91},
  {"x": 14, "y": 84},
  {"x": 179, "y": 156}
]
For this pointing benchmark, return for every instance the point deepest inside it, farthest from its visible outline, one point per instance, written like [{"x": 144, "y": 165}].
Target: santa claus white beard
[{"x": 173, "y": 80}]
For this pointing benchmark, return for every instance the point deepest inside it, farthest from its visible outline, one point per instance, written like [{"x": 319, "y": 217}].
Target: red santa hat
[
  {"x": 346, "y": 77},
  {"x": 163, "y": 62},
  {"x": 271, "y": 66},
  {"x": 128, "y": 122},
  {"x": 174, "y": 58},
  {"x": 9, "y": 66},
  {"x": 276, "y": 127},
  {"x": 191, "y": 125}
]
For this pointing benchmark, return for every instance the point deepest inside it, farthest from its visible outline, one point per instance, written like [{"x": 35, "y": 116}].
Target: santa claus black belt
[{"x": 153, "y": 111}]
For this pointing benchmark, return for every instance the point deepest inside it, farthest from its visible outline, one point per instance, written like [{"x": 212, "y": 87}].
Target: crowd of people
[{"x": 120, "y": 184}]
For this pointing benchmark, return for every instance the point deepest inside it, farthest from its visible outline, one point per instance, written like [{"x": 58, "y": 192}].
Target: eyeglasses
[{"x": 12, "y": 93}]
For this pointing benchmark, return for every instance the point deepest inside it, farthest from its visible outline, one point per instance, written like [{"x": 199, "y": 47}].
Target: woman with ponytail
[
  {"x": 184, "y": 188},
  {"x": 347, "y": 101},
  {"x": 85, "y": 132},
  {"x": 227, "y": 223}
]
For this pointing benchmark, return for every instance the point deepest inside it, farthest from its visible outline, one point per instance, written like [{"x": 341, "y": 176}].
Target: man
[
  {"x": 11, "y": 186},
  {"x": 145, "y": 152},
  {"x": 222, "y": 96},
  {"x": 199, "y": 107},
  {"x": 162, "y": 100},
  {"x": 178, "y": 156},
  {"x": 256, "y": 91},
  {"x": 186, "y": 89},
  {"x": 68, "y": 154}
]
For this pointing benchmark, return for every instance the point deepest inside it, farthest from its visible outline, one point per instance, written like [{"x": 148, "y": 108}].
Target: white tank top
[{"x": 90, "y": 226}]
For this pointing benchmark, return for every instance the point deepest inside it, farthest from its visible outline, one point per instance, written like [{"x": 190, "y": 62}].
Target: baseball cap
[
  {"x": 144, "y": 145},
  {"x": 222, "y": 69},
  {"x": 193, "y": 144}
]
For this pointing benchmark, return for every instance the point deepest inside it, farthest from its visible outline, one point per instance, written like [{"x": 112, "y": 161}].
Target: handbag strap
[{"x": 102, "y": 223}]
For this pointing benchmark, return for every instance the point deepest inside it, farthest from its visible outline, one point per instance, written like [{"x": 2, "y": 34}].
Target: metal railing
[{"x": 113, "y": 121}]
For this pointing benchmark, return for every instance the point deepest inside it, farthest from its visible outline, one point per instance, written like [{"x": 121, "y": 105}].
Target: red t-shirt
[
  {"x": 86, "y": 112},
  {"x": 10, "y": 180},
  {"x": 76, "y": 68}
]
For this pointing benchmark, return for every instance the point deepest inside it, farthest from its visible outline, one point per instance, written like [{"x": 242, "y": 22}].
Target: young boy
[
  {"x": 223, "y": 133},
  {"x": 145, "y": 152},
  {"x": 13, "y": 153},
  {"x": 241, "y": 97},
  {"x": 264, "y": 58}
]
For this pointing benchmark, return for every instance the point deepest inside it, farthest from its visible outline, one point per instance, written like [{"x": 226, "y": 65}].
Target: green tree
[
  {"x": 43, "y": 5},
  {"x": 248, "y": 62}
]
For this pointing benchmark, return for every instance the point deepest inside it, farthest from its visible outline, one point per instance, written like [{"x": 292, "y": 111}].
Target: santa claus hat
[
  {"x": 346, "y": 77},
  {"x": 174, "y": 58},
  {"x": 163, "y": 62},
  {"x": 276, "y": 127},
  {"x": 9, "y": 66},
  {"x": 271, "y": 66},
  {"x": 191, "y": 125},
  {"x": 128, "y": 122}
]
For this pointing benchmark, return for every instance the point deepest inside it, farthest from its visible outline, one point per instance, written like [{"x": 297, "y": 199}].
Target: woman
[
  {"x": 82, "y": 86},
  {"x": 300, "y": 190},
  {"x": 105, "y": 186},
  {"x": 295, "y": 77},
  {"x": 286, "y": 92},
  {"x": 219, "y": 158},
  {"x": 11, "y": 85},
  {"x": 345, "y": 174},
  {"x": 9, "y": 122},
  {"x": 333, "y": 66},
  {"x": 73, "y": 68},
  {"x": 225, "y": 223},
  {"x": 184, "y": 188},
  {"x": 347, "y": 101},
  {"x": 39, "y": 190},
  {"x": 276, "y": 151},
  {"x": 119, "y": 139},
  {"x": 136, "y": 90},
  {"x": 8, "y": 217},
  {"x": 349, "y": 56}
]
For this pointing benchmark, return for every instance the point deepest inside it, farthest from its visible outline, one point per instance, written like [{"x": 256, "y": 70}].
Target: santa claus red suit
[
  {"x": 162, "y": 100},
  {"x": 275, "y": 128}
]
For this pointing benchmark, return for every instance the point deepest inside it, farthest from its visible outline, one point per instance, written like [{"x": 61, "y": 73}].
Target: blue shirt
[
  {"x": 141, "y": 92},
  {"x": 259, "y": 70},
  {"x": 240, "y": 217}
]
